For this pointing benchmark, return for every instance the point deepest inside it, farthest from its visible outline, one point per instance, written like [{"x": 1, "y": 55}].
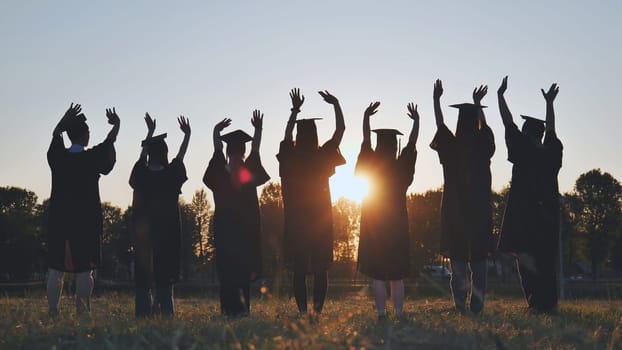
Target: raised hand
[
  {"x": 550, "y": 95},
  {"x": 412, "y": 112},
  {"x": 151, "y": 123},
  {"x": 113, "y": 117},
  {"x": 328, "y": 97},
  {"x": 438, "y": 89},
  {"x": 503, "y": 86},
  {"x": 297, "y": 98},
  {"x": 257, "y": 120},
  {"x": 222, "y": 124},
  {"x": 73, "y": 111},
  {"x": 184, "y": 124},
  {"x": 479, "y": 93},
  {"x": 371, "y": 109}
]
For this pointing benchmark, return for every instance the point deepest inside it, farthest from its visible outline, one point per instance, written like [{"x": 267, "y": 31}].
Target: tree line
[{"x": 591, "y": 225}]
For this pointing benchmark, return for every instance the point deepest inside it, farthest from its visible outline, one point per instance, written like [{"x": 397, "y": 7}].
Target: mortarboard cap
[
  {"x": 306, "y": 122},
  {"x": 467, "y": 106},
  {"x": 236, "y": 137},
  {"x": 533, "y": 120},
  {"x": 387, "y": 132},
  {"x": 154, "y": 139}
]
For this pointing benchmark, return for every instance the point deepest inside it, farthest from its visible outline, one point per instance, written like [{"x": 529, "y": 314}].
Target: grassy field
[{"x": 347, "y": 323}]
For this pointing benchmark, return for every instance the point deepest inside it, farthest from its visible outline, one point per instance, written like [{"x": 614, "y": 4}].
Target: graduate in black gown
[
  {"x": 384, "y": 245},
  {"x": 466, "y": 211},
  {"x": 530, "y": 229},
  {"x": 237, "y": 225},
  {"x": 75, "y": 218},
  {"x": 156, "y": 222},
  {"x": 305, "y": 168}
]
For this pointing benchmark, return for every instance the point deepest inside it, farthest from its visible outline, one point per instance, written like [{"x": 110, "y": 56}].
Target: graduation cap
[
  {"x": 306, "y": 130},
  {"x": 386, "y": 137},
  {"x": 236, "y": 137},
  {"x": 536, "y": 124},
  {"x": 308, "y": 123},
  {"x": 153, "y": 140},
  {"x": 467, "y": 118}
]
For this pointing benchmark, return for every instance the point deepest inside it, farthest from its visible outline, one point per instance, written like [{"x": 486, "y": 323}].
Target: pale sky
[{"x": 208, "y": 60}]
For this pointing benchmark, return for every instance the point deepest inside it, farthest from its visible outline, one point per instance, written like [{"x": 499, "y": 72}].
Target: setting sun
[{"x": 345, "y": 184}]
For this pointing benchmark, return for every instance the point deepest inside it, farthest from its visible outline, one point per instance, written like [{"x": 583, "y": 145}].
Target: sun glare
[{"x": 345, "y": 184}]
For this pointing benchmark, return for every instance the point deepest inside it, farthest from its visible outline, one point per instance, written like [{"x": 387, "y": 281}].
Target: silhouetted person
[
  {"x": 305, "y": 168},
  {"x": 530, "y": 227},
  {"x": 384, "y": 245},
  {"x": 75, "y": 221},
  {"x": 466, "y": 211},
  {"x": 237, "y": 225},
  {"x": 157, "y": 226}
]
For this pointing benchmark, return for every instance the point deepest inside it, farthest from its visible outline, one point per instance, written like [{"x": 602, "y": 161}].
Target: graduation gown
[
  {"x": 237, "y": 225},
  {"x": 75, "y": 218},
  {"x": 308, "y": 234},
  {"x": 531, "y": 218},
  {"x": 384, "y": 244},
  {"x": 466, "y": 211},
  {"x": 156, "y": 222}
]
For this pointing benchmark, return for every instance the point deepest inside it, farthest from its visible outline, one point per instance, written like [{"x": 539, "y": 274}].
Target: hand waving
[
  {"x": 151, "y": 123},
  {"x": 503, "y": 86},
  {"x": 371, "y": 109},
  {"x": 297, "y": 98},
  {"x": 73, "y": 111},
  {"x": 113, "y": 117},
  {"x": 438, "y": 89},
  {"x": 550, "y": 95},
  {"x": 184, "y": 124},
  {"x": 412, "y": 112},
  {"x": 222, "y": 124},
  {"x": 328, "y": 97},
  {"x": 479, "y": 93},
  {"x": 257, "y": 120}
]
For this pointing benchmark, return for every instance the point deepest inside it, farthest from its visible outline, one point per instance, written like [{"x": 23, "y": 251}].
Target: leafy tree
[
  {"x": 272, "y": 225},
  {"x": 424, "y": 216},
  {"x": 346, "y": 228},
  {"x": 600, "y": 215},
  {"x": 20, "y": 240}
]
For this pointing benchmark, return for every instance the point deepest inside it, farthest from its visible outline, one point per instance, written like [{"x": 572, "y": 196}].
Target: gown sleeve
[
  {"x": 554, "y": 150},
  {"x": 259, "y": 174},
  {"x": 515, "y": 142},
  {"x": 284, "y": 157},
  {"x": 331, "y": 157},
  {"x": 487, "y": 141},
  {"x": 178, "y": 174},
  {"x": 442, "y": 142},
  {"x": 364, "y": 159},
  {"x": 55, "y": 150},
  {"x": 104, "y": 157},
  {"x": 406, "y": 161},
  {"x": 137, "y": 174},
  {"x": 216, "y": 172}
]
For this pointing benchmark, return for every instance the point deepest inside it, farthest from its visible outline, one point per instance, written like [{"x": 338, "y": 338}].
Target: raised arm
[
  {"x": 340, "y": 125},
  {"x": 478, "y": 95},
  {"x": 506, "y": 116},
  {"x": 217, "y": 129},
  {"x": 151, "y": 125},
  {"x": 369, "y": 111},
  {"x": 72, "y": 112},
  {"x": 297, "y": 101},
  {"x": 438, "y": 113},
  {"x": 113, "y": 119},
  {"x": 184, "y": 125},
  {"x": 257, "y": 122},
  {"x": 414, "y": 115},
  {"x": 549, "y": 96}
]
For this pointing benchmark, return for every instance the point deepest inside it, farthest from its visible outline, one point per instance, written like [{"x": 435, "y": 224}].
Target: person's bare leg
[
  {"x": 380, "y": 295},
  {"x": 84, "y": 288},
  {"x": 54, "y": 290},
  {"x": 397, "y": 295}
]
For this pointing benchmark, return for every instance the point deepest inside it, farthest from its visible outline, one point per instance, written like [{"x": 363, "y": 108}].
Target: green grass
[{"x": 347, "y": 323}]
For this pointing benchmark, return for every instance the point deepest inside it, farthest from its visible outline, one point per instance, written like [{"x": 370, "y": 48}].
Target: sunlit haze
[{"x": 209, "y": 60}]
